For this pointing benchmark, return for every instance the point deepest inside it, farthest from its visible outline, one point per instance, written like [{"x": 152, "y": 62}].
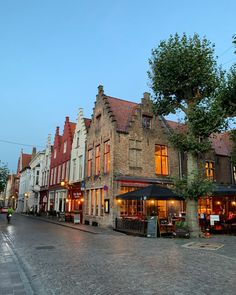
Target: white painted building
[
  {"x": 24, "y": 190},
  {"x": 77, "y": 163},
  {"x": 44, "y": 204},
  {"x": 35, "y": 181}
]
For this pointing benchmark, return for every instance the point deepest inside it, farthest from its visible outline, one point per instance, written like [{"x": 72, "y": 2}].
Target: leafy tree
[
  {"x": 227, "y": 96},
  {"x": 184, "y": 76},
  {"x": 3, "y": 176}
]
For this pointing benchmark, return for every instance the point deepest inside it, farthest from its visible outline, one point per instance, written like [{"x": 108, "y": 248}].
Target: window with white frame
[
  {"x": 64, "y": 147},
  {"x": 80, "y": 167},
  {"x": 73, "y": 169},
  {"x": 55, "y": 153},
  {"x": 78, "y": 139}
]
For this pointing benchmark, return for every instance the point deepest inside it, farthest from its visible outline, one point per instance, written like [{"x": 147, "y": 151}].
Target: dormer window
[
  {"x": 64, "y": 147},
  {"x": 146, "y": 122}
]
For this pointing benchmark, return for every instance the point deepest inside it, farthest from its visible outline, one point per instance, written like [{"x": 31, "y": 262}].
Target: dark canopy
[
  {"x": 221, "y": 190},
  {"x": 151, "y": 192}
]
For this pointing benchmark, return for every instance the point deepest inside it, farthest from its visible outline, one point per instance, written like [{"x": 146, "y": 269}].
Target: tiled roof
[
  {"x": 222, "y": 144},
  {"x": 87, "y": 122},
  {"x": 122, "y": 111},
  {"x": 72, "y": 126},
  {"x": 26, "y": 158}
]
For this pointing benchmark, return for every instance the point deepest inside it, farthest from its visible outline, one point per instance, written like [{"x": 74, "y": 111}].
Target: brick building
[
  {"x": 60, "y": 167},
  {"x": 127, "y": 148}
]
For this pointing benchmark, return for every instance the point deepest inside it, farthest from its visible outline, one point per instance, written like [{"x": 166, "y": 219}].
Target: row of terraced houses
[{"x": 121, "y": 148}]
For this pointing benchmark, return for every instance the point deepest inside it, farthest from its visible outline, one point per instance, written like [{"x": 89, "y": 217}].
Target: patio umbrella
[{"x": 151, "y": 192}]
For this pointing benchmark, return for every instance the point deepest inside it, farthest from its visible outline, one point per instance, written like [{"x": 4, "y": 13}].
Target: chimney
[
  {"x": 67, "y": 119},
  {"x": 33, "y": 152},
  {"x": 57, "y": 130},
  {"x": 49, "y": 140},
  {"x": 100, "y": 92}
]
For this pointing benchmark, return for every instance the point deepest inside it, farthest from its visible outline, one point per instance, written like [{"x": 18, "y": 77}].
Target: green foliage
[
  {"x": 182, "y": 71},
  {"x": 186, "y": 143},
  {"x": 206, "y": 118},
  {"x": 233, "y": 138},
  {"x": 3, "y": 176},
  {"x": 227, "y": 95},
  {"x": 199, "y": 186}
]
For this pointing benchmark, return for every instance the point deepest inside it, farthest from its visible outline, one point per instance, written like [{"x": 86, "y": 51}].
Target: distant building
[
  {"x": 60, "y": 167},
  {"x": 23, "y": 173},
  {"x": 77, "y": 165},
  {"x": 45, "y": 171}
]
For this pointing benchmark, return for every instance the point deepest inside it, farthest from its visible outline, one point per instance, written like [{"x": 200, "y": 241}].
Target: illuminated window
[
  {"x": 161, "y": 159},
  {"x": 210, "y": 170},
  {"x": 107, "y": 156},
  {"x": 146, "y": 122},
  {"x": 90, "y": 157},
  {"x": 97, "y": 160}
]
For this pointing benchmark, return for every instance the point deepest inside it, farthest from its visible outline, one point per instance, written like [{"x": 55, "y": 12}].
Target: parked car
[{"x": 3, "y": 210}]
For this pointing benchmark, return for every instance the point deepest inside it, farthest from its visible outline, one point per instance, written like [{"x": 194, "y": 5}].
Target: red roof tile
[
  {"x": 222, "y": 144},
  {"x": 87, "y": 122},
  {"x": 122, "y": 111}
]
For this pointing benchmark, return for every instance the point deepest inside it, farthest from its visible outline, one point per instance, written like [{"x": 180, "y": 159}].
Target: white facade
[
  {"x": 77, "y": 161},
  {"x": 24, "y": 190},
  {"x": 35, "y": 181},
  {"x": 45, "y": 172}
]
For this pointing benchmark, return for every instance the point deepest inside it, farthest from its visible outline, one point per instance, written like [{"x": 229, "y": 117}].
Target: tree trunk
[
  {"x": 192, "y": 218},
  {"x": 192, "y": 204}
]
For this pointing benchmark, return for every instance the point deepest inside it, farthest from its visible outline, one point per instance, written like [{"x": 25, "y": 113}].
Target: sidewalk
[
  {"x": 82, "y": 227},
  {"x": 13, "y": 279}
]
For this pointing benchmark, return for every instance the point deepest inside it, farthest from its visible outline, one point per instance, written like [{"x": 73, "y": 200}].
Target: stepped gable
[
  {"x": 57, "y": 138},
  {"x": 122, "y": 111}
]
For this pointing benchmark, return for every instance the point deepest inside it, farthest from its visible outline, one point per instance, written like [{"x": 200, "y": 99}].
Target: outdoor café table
[{"x": 166, "y": 228}]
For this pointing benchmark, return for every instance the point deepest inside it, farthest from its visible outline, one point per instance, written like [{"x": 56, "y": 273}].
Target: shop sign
[
  {"x": 214, "y": 218},
  {"x": 77, "y": 218},
  {"x": 76, "y": 195},
  {"x": 82, "y": 185}
]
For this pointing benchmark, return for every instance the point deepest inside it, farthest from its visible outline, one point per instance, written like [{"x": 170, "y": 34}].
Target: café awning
[
  {"x": 224, "y": 190},
  {"x": 151, "y": 192}
]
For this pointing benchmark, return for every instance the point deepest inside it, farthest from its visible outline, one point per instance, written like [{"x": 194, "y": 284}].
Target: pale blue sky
[{"x": 54, "y": 54}]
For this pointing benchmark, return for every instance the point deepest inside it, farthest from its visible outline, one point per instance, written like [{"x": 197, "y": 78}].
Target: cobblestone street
[{"x": 44, "y": 258}]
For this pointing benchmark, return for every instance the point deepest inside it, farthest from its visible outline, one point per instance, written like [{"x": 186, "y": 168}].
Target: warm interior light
[
  {"x": 234, "y": 203},
  {"x": 152, "y": 201},
  {"x": 218, "y": 203},
  {"x": 82, "y": 199},
  {"x": 26, "y": 195},
  {"x": 63, "y": 183},
  {"x": 172, "y": 202},
  {"x": 67, "y": 200},
  {"x": 119, "y": 201}
]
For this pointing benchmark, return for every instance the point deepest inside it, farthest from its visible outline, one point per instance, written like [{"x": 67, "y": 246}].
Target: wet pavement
[{"x": 39, "y": 257}]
